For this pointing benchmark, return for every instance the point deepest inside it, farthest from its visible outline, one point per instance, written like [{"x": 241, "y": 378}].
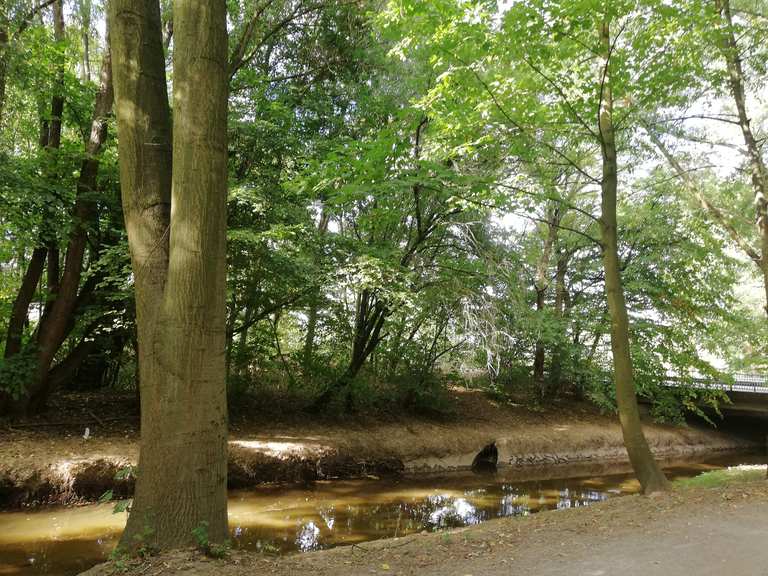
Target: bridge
[{"x": 748, "y": 393}]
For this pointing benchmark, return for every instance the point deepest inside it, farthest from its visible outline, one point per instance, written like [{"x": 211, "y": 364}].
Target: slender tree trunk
[
  {"x": 561, "y": 296},
  {"x": 3, "y": 60},
  {"x": 370, "y": 316},
  {"x": 645, "y": 466},
  {"x": 309, "y": 342},
  {"x": 539, "y": 352},
  {"x": 542, "y": 285},
  {"x": 23, "y": 299},
  {"x": 57, "y": 102},
  {"x": 54, "y": 324},
  {"x": 50, "y": 140},
  {"x": 179, "y": 271},
  {"x": 369, "y": 321},
  {"x": 242, "y": 341},
  {"x": 758, "y": 171},
  {"x": 85, "y": 19}
]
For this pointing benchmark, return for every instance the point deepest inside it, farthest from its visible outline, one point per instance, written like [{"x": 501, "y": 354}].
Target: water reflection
[{"x": 65, "y": 541}]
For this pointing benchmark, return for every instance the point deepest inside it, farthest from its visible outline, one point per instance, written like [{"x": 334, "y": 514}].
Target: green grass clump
[{"x": 724, "y": 477}]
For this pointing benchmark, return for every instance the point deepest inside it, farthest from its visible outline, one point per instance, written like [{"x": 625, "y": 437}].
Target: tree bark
[
  {"x": 23, "y": 299},
  {"x": 646, "y": 468},
  {"x": 542, "y": 285},
  {"x": 758, "y": 172},
  {"x": 561, "y": 299},
  {"x": 179, "y": 263}
]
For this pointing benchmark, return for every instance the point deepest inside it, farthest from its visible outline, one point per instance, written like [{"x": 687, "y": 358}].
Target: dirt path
[{"x": 689, "y": 532}]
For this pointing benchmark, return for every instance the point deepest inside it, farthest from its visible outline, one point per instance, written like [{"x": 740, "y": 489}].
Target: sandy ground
[
  {"x": 687, "y": 532},
  {"x": 49, "y": 459}
]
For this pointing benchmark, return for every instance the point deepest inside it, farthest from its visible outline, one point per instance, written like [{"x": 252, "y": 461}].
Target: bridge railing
[{"x": 754, "y": 383}]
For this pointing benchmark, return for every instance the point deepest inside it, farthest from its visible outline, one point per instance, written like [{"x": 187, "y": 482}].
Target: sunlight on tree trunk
[{"x": 179, "y": 263}]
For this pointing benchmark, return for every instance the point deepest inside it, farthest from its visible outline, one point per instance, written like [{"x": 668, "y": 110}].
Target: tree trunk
[
  {"x": 239, "y": 355},
  {"x": 538, "y": 355},
  {"x": 84, "y": 6},
  {"x": 309, "y": 341},
  {"x": 179, "y": 271},
  {"x": 758, "y": 171},
  {"x": 542, "y": 285},
  {"x": 646, "y": 469},
  {"x": 50, "y": 139},
  {"x": 369, "y": 321},
  {"x": 23, "y": 299},
  {"x": 561, "y": 297},
  {"x": 371, "y": 314},
  {"x": 53, "y": 326},
  {"x": 3, "y": 60},
  {"x": 57, "y": 102}
]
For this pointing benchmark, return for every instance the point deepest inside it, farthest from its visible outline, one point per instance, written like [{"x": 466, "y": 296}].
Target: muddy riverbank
[
  {"x": 46, "y": 461},
  {"x": 286, "y": 518}
]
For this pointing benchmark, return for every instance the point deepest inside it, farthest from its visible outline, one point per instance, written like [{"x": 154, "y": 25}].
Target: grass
[{"x": 724, "y": 477}]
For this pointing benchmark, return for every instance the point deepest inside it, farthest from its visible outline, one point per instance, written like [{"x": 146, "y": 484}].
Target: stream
[{"x": 62, "y": 541}]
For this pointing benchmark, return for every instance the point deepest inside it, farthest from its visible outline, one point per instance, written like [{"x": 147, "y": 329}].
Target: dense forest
[{"x": 344, "y": 208}]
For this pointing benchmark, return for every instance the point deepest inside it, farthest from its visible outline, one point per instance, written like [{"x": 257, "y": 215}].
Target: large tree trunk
[
  {"x": 179, "y": 270},
  {"x": 758, "y": 171},
  {"x": 645, "y": 466}
]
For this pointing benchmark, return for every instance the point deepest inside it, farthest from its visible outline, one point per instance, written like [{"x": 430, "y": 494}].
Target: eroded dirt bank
[
  {"x": 49, "y": 461},
  {"x": 688, "y": 531}
]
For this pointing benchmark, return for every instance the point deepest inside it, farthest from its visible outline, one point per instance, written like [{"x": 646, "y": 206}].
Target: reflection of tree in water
[
  {"x": 307, "y": 538},
  {"x": 570, "y": 499},
  {"x": 511, "y": 505},
  {"x": 334, "y": 523},
  {"x": 327, "y": 514},
  {"x": 456, "y": 512}
]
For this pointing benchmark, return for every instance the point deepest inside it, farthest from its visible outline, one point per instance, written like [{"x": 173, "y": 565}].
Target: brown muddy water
[{"x": 63, "y": 541}]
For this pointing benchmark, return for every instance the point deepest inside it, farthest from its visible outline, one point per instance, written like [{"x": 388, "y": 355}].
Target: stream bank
[{"x": 48, "y": 462}]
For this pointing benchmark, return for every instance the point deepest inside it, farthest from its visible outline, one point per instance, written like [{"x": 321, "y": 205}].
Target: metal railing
[{"x": 754, "y": 383}]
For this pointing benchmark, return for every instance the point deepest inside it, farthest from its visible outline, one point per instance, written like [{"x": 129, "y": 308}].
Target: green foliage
[
  {"x": 410, "y": 155},
  {"x": 725, "y": 477},
  {"x": 125, "y": 473},
  {"x": 210, "y": 549},
  {"x": 16, "y": 372},
  {"x": 122, "y": 506}
]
